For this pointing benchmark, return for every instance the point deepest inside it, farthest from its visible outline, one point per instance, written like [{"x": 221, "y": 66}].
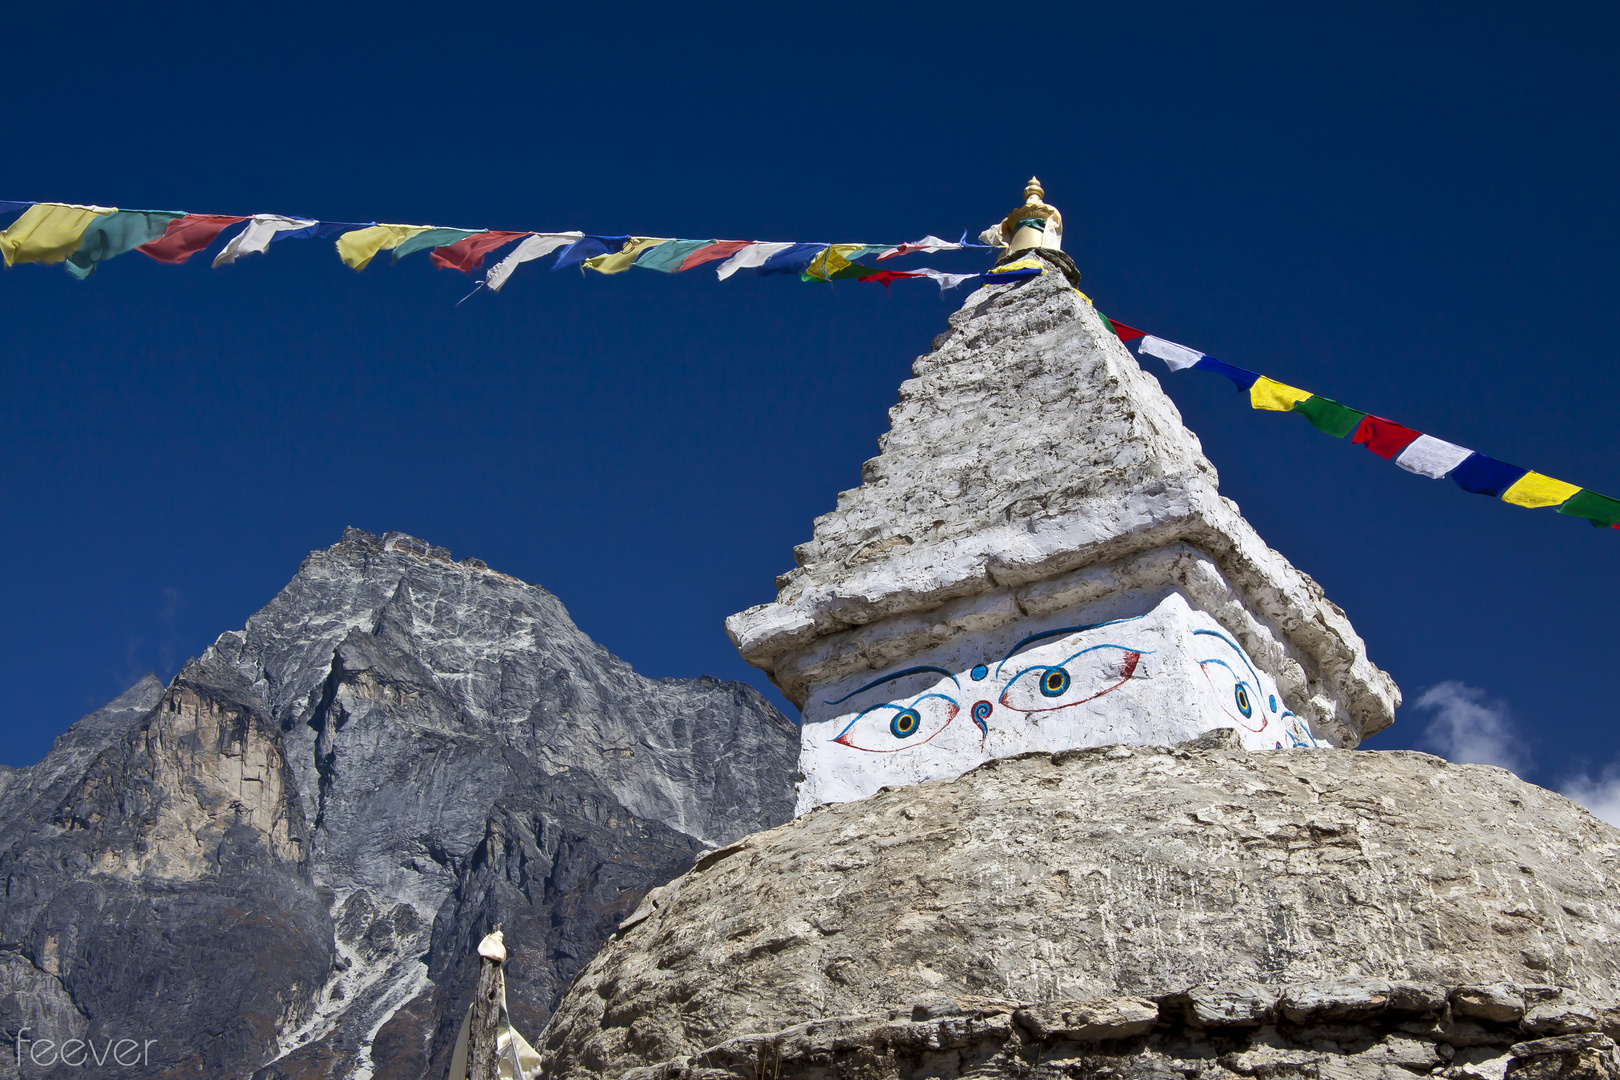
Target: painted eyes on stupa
[
  {"x": 1236, "y": 695},
  {"x": 1236, "y": 683},
  {"x": 1085, "y": 676},
  {"x": 1298, "y": 734},
  {"x": 886, "y": 728}
]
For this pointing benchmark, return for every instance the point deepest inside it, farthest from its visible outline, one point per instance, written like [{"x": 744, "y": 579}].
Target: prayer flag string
[
  {"x": 1412, "y": 450},
  {"x": 82, "y": 236}
]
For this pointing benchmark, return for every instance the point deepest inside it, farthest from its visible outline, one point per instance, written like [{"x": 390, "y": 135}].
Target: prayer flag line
[
  {"x": 82, "y": 236},
  {"x": 1412, "y": 450}
]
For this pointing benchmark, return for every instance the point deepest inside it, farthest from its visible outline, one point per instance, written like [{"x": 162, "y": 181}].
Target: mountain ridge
[{"x": 301, "y": 836}]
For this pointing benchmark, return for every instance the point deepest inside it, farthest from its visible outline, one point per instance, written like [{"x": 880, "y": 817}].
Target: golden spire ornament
[
  {"x": 1035, "y": 228},
  {"x": 1033, "y": 225}
]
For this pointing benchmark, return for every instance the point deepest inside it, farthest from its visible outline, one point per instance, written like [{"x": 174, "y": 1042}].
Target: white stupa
[{"x": 1039, "y": 558}]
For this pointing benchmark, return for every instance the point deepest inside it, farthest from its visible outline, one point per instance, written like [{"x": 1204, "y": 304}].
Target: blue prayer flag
[
  {"x": 588, "y": 247},
  {"x": 792, "y": 260},
  {"x": 1001, "y": 277},
  {"x": 321, "y": 228},
  {"x": 1485, "y": 475},
  {"x": 1243, "y": 377}
]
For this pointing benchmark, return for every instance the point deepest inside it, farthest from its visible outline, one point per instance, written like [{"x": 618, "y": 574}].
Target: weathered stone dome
[{"x": 1125, "y": 874}]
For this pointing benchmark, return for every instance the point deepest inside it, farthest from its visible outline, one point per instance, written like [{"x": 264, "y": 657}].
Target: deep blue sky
[{"x": 1411, "y": 212}]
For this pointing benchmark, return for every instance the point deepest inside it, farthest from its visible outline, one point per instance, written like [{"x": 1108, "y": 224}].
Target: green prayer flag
[
  {"x": 433, "y": 238},
  {"x": 116, "y": 233},
  {"x": 1600, "y": 510},
  {"x": 1328, "y": 416},
  {"x": 667, "y": 258}
]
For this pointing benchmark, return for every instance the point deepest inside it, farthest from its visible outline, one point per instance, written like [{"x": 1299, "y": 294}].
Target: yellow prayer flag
[
  {"x": 359, "y": 246},
  {"x": 1028, "y": 262},
  {"x": 47, "y": 232},
  {"x": 831, "y": 260},
  {"x": 625, "y": 257},
  {"x": 1533, "y": 490},
  {"x": 1278, "y": 397}
]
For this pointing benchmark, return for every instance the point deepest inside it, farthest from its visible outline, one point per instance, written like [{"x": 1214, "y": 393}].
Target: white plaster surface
[
  {"x": 1028, "y": 456},
  {"x": 1134, "y": 668}
]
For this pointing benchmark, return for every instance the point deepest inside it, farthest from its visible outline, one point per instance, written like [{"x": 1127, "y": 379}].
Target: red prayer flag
[
  {"x": 1126, "y": 333},
  {"x": 904, "y": 249},
  {"x": 186, "y": 236},
  {"x": 468, "y": 255},
  {"x": 720, "y": 249},
  {"x": 883, "y": 277},
  {"x": 1383, "y": 437}
]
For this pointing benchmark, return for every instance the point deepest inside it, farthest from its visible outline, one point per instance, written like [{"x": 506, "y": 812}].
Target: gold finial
[{"x": 1033, "y": 225}]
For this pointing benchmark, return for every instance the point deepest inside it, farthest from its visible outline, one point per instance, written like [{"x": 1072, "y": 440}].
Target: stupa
[
  {"x": 1078, "y": 798},
  {"x": 1039, "y": 559}
]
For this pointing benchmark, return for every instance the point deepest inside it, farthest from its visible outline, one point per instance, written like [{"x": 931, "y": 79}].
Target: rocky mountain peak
[
  {"x": 301, "y": 836},
  {"x": 403, "y": 542}
]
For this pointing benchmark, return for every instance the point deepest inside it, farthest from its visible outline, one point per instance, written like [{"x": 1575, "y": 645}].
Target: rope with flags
[
  {"x": 81, "y": 237},
  {"x": 1423, "y": 455}
]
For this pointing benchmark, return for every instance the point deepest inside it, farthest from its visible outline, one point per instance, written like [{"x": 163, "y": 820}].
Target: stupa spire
[
  {"x": 1032, "y": 225},
  {"x": 1039, "y": 558}
]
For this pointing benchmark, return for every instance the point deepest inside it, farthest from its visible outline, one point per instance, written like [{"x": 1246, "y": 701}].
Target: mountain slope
[{"x": 298, "y": 841}]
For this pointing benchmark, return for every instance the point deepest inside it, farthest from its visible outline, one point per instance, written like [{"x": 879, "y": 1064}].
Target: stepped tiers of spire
[{"x": 1037, "y": 559}]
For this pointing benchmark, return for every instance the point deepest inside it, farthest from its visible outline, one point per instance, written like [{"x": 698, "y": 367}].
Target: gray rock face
[
  {"x": 156, "y": 883},
  {"x": 1313, "y": 888},
  {"x": 282, "y": 861}
]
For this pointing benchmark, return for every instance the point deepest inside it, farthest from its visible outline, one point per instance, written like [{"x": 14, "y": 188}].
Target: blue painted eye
[
  {"x": 892, "y": 726},
  {"x": 1087, "y": 675},
  {"x": 1273, "y": 702},
  {"x": 1241, "y": 693},
  {"x": 979, "y": 673},
  {"x": 1298, "y": 734}
]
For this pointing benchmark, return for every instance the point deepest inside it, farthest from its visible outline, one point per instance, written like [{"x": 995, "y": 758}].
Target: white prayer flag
[
  {"x": 533, "y": 247},
  {"x": 1179, "y": 357},
  {"x": 1431, "y": 457},
  {"x": 750, "y": 256},
  {"x": 927, "y": 243},
  {"x": 255, "y": 239},
  {"x": 946, "y": 281}
]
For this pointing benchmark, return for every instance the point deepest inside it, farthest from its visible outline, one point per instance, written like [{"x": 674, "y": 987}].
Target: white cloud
[
  {"x": 1469, "y": 726},
  {"x": 1601, "y": 796}
]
